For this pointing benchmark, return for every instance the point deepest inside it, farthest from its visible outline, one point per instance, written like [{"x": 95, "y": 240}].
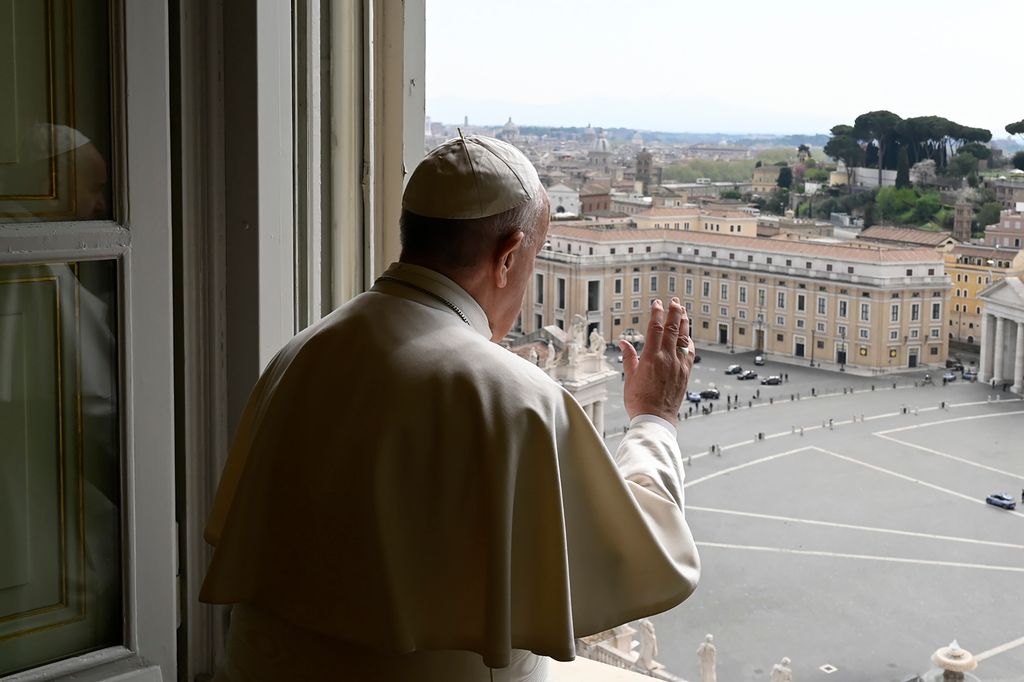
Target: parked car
[
  {"x": 949, "y": 376},
  {"x": 733, "y": 369},
  {"x": 771, "y": 381},
  {"x": 954, "y": 365},
  {"x": 710, "y": 394},
  {"x": 758, "y": 360},
  {"x": 1001, "y": 500},
  {"x": 970, "y": 375},
  {"x": 746, "y": 374},
  {"x": 693, "y": 396}
]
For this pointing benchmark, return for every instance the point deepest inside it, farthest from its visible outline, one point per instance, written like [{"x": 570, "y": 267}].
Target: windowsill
[{"x": 586, "y": 670}]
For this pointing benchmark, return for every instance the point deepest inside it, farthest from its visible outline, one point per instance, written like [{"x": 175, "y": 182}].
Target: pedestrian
[{"x": 785, "y": 377}]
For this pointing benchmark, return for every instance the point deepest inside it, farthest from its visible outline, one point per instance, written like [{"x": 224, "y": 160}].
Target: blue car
[
  {"x": 1001, "y": 500},
  {"x": 693, "y": 396}
]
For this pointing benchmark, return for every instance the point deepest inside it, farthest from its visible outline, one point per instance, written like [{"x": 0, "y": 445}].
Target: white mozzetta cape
[{"x": 401, "y": 483}]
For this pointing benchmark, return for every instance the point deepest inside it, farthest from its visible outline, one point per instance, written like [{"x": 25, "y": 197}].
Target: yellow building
[
  {"x": 695, "y": 219},
  {"x": 765, "y": 179},
  {"x": 971, "y": 269},
  {"x": 864, "y": 306}
]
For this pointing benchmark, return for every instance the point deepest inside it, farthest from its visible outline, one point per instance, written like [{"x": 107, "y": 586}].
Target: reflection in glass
[
  {"x": 60, "y": 495},
  {"x": 55, "y": 114}
]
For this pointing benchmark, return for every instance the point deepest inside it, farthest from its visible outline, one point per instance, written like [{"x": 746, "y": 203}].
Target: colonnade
[{"x": 998, "y": 336}]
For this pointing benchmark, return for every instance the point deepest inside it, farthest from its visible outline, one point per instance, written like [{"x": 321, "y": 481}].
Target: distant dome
[
  {"x": 638, "y": 139},
  {"x": 589, "y": 134},
  {"x": 601, "y": 143},
  {"x": 509, "y": 131}
]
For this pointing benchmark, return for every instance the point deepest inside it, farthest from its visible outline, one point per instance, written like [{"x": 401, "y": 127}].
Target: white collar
[{"x": 445, "y": 291}]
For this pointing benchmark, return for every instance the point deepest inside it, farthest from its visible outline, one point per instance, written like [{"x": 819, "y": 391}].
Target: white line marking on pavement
[
  {"x": 882, "y": 434},
  {"x": 911, "y": 479},
  {"x": 1002, "y": 648},
  {"x": 743, "y": 466},
  {"x": 866, "y": 557},
  {"x": 872, "y": 529}
]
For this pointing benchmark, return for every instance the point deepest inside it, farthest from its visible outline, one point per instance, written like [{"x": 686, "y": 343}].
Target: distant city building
[
  {"x": 594, "y": 198},
  {"x": 868, "y": 177},
  {"x": 963, "y": 215},
  {"x": 907, "y": 236},
  {"x": 1002, "y": 335},
  {"x": 866, "y": 307},
  {"x": 971, "y": 269},
  {"x": 693, "y": 218},
  {"x": 1009, "y": 231},
  {"x": 765, "y": 180},
  {"x": 564, "y": 199},
  {"x": 1009, "y": 191}
]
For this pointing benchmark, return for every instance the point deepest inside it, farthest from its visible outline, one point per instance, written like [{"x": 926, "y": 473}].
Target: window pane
[
  {"x": 60, "y": 495},
  {"x": 55, "y": 111}
]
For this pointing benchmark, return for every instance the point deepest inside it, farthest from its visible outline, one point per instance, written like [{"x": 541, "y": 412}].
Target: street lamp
[
  {"x": 732, "y": 332},
  {"x": 814, "y": 332},
  {"x": 759, "y": 340}
]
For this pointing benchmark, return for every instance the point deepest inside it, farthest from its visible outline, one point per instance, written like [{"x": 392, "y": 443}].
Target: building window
[
  {"x": 618, "y": 305},
  {"x": 780, "y": 301},
  {"x": 934, "y": 332},
  {"x": 618, "y": 285},
  {"x": 808, "y": 265},
  {"x": 849, "y": 270},
  {"x": 636, "y": 320},
  {"x": 560, "y": 293},
  {"x": 612, "y": 250},
  {"x": 936, "y": 311},
  {"x": 894, "y": 312},
  {"x": 688, "y": 287},
  {"x": 636, "y": 304},
  {"x": 593, "y": 295},
  {"x": 724, "y": 292},
  {"x": 761, "y": 295},
  {"x": 863, "y": 333},
  {"x": 821, "y": 305},
  {"x": 800, "y": 323},
  {"x": 828, "y": 267},
  {"x": 931, "y": 271},
  {"x": 789, "y": 262},
  {"x": 780, "y": 337},
  {"x": 654, "y": 284},
  {"x": 865, "y": 312},
  {"x": 780, "y": 321},
  {"x": 723, "y": 312},
  {"x": 750, "y": 259},
  {"x": 768, "y": 260},
  {"x": 590, "y": 251},
  {"x": 539, "y": 286},
  {"x": 820, "y": 327},
  {"x": 742, "y": 331},
  {"x": 705, "y": 309},
  {"x": 841, "y": 330},
  {"x": 894, "y": 335},
  {"x": 915, "y": 312},
  {"x": 636, "y": 285},
  {"x": 801, "y": 302},
  {"x": 705, "y": 289},
  {"x": 714, "y": 254},
  {"x": 647, "y": 249},
  {"x": 629, "y": 249},
  {"x": 538, "y": 320},
  {"x": 742, "y": 314},
  {"x": 914, "y": 333},
  {"x": 671, "y": 285},
  {"x": 616, "y": 321},
  {"x": 934, "y": 350},
  {"x": 910, "y": 272},
  {"x": 842, "y": 308},
  {"x": 704, "y": 324},
  {"x": 743, "y": 294}
]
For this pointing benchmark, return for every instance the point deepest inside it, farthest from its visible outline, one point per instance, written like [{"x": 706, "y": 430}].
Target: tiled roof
[
  {"x": 859, "y": 253},
  {"x": 905, "y": 234}
]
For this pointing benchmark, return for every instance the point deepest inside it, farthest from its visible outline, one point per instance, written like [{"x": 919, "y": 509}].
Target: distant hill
[{"x": 741, "y": 139}]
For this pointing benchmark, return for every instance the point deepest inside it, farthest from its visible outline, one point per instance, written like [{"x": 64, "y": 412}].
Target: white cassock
[{"x": 406, "y": 500}]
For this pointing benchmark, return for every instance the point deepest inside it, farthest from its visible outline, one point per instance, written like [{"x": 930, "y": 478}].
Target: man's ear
[{"x": 504, "y": 257}]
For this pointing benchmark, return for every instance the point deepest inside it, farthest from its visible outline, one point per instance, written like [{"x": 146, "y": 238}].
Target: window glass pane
[
  {"x": 60, "y": 494},
  {"x": 55, "y": 127}
]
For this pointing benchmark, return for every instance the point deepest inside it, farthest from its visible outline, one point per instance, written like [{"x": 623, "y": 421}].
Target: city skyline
[{"x": 668, "y": 67}]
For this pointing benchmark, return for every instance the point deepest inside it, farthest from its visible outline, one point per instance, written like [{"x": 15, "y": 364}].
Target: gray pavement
[{"x": 863, "y": 546}]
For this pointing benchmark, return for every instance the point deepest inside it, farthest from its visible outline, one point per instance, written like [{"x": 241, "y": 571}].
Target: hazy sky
[{"x": 788, "y": 66}]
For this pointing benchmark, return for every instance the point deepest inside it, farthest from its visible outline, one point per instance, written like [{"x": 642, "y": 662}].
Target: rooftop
[{"x": 906, "y": 234}]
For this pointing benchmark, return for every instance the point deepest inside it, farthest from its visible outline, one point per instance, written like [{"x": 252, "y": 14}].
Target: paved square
[{"x": 860, "y": 547}]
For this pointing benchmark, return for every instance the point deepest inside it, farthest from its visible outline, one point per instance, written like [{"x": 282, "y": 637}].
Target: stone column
[
  {"x": 985, "y": 362},
  {"x": 599, "y": 416},
  {"x": 1018, "y": 361},
  {"x": 997, "y": 364}
]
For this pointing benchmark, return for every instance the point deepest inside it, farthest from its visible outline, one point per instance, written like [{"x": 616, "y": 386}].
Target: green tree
[
  {"x": 730, "y": 194},
  {"x": 895, "y": 205},
  {"x": 925, "y": 208},
  {"x": 988, "y": 214},
  {"x": 903, "y": 169},
  {"x": 1016, "y": 128},
  {"x": 1018, "y": 160},
  {"x": 963, "y": 164},
  {"x": 879, "y": 127},
  {"x": 843, "y": 146},
  {"x": 977, "y": 150},
  {"x": 785, "y": 177}
]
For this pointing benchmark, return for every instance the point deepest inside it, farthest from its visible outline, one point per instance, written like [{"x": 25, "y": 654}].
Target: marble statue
[
  {"x": 534, "y": 357},
  {"x": 707, "y": 654},
  {"x": 578, "y": 331},
  {"x": 781, "y": 671},
  {"x": 648, "y": 644},
  {"x": 596, "y": 341},
  {"x": 549, "y": 361}
]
